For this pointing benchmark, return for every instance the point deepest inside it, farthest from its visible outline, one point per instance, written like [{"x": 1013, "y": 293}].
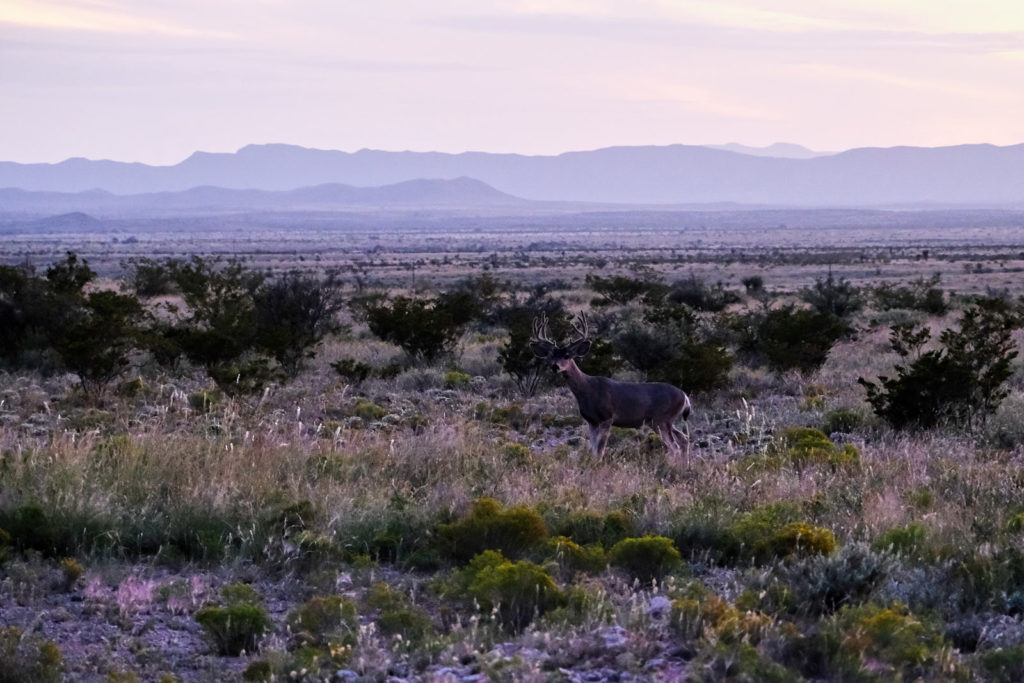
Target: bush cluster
[{"x": 960, "y": 383}]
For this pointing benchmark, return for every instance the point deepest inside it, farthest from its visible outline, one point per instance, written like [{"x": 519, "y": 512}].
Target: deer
[{"x": 604, "y": 402}]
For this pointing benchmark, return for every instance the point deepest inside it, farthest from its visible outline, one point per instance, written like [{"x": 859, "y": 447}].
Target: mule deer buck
[{"x": 605, "y": 403}]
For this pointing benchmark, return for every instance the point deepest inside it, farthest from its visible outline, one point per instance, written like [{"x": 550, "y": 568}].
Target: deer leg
[
  {"x": 599, "y": 434},
  {"x": 681, "y": 436},
  {"x": 665, "y": 431},
  {"x": 595, "y": 437}
]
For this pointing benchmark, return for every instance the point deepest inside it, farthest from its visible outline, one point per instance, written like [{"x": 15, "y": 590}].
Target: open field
[{"x": 352, "y": 509}]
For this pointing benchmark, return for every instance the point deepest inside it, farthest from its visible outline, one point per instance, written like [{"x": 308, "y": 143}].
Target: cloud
[{"x": 98, "y": 17}]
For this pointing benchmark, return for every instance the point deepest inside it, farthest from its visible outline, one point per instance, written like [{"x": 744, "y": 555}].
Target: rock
[{"x": 659, "y": 605}]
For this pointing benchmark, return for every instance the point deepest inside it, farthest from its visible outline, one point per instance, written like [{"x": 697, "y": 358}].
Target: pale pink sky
[{"x": 156, "y": 80}]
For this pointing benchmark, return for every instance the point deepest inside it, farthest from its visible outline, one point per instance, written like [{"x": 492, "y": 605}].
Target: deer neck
[{"x": 576, "y": 379}]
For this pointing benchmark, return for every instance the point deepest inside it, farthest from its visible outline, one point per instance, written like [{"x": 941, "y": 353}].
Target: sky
[{"x": 155, "y": 80}]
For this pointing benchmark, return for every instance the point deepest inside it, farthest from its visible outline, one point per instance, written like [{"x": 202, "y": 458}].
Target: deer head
[{"x": 561, "y": 358}]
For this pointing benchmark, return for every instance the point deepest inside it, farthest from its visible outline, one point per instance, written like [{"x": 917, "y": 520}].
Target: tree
[
  {"x": 423, "y": 328},
  {"x": 958, "y": 383},
  {"x": 834, "y": 297},
  {"x": 97, "y": 336},
  {"x": 292, "y": 316},
  {"x": 797, "y": 338}
]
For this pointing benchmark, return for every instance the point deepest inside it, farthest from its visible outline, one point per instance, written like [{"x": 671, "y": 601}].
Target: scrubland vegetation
[{"x": 213, "y": 472}]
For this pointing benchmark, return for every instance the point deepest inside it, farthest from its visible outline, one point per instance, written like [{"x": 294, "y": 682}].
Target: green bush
[
  {"x": 647, "y": 558},
  {"x": 902, "y": 539},
  {"x": 821, "y": 584},
  {"x": 895, "y": 641},
  {"x": 149, "y": 278},
  {"x": 832, "y": 297},
  {"x": 960, "y": 383},
  {"x": 797, "y": 539},
  {"x": 423, "y": 328},
  {"x": 620, "y": 290},
  {"x": 748, "y": 536},
  {"x": 588, "y": 528},
  {"x": 738, "y": 662},
  {"x": 804, "y": 446},
  {"x": 454, "y": 379},
  {"x": 353, "y": 371},
  {"x": 700, "y": 296},
  {"x": 398, "y": 616},
  {"x": 519, "y": 591},
  {"x": 1003, "y": 665},
  {"x": 573, "y": 557},
  {"x": 234, "y": 629},
  {"x": 324, "y": 620},
  {"x": 368, "y": 410},
  {"x": 239, "y": 626},
  {"x": 797, "y": 339},
  {"x": 923, "y": 294},
  {"x": 489, "y": 526},
  {"x": 260, "y": 671},
  {"x": 292, "y": 315},
  {"x": 27, "y": 658},
  {"x": 95, "y": 339},
  {"x": 841, "y": 420}
]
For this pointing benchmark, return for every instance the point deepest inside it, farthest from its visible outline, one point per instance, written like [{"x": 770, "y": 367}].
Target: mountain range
[{"x": 782, "y": 175}]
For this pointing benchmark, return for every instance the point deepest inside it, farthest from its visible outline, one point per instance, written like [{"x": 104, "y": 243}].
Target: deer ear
[
  {"x": 579, "y": 349},
  {"x": 542, "y": 349}
]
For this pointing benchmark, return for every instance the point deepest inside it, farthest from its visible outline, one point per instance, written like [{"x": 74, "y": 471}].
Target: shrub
[
  {"x": 804, "y": 446},
  {"x": 1004, "y": 665},
  {"x": 149, "y": 278},
  {"x": 97, "y": 336},
  {"x": 797, "y": 539},
  {"x": 292, "y": 314},
  {"x": 368, "y": 410},
  {"x": 898, "y": 643},
  {"x": 842, "y": 420},
  {"x": 671, "y": 351},
  {"x": 353, "y": 371},
  {"x": 260, "y": 670},
  {"x": 324, "y": 620},
  {"x": 588, "y": 528},
  {"x": 824, "y": 583},
  {"x": 489, "y": 526},
  {"x": 454, "y": 379},
  {"x": 398, "y": 616},
  {"x": 72, "y": 571},
  {"x": 28, "y": 658},
  {"x": 832, "y": 297},
  {"x": 738, "y": 662},
  {"x": 696, "y": 294},
  {"x": 923, "y": 294},
  {"x": 647, "y": 558},
  {"x": 234, "y": 629},
  {"x": 31, "y": 529},
  {"x": 902, "y": 539},
  {"x": 961, "y": 382},
  {"x": 423, "y": 328},
  {"x": 519, "y": 591},
  {"x": 619, "y": 289},
  {"x": 748, "y": 536},
  {"x": 573, "y": 557},
  {"x": 797, "y": 339},
  {"x": 515, "y": 356}
]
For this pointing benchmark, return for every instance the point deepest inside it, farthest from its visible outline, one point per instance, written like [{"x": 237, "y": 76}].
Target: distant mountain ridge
[
  {"x": 964, "y": 175},
  {"x": 439, "y": 194}
]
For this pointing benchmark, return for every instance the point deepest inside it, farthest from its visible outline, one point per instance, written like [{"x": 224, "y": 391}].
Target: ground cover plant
[{"x": 340, "y": 498}]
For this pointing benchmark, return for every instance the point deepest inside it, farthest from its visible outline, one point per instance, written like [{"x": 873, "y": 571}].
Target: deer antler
[
  {"x": 540, "y": 328},
  {"x": 581, "y": 325}
]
